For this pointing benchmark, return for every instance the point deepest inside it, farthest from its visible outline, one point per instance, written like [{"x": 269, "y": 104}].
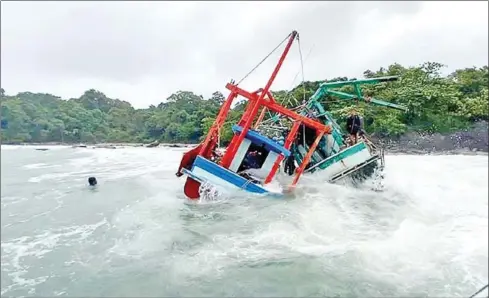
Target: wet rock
[
  {"x": 105, "y": 147},
  {"x": 475, "y": 139},
  {"x": 152, "y": 145}
]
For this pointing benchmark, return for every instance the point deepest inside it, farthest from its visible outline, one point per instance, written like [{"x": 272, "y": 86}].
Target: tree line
[{"x": 436, "y": 102}]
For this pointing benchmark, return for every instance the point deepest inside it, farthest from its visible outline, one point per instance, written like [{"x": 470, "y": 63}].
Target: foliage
[{"x": 436, "y": 103}]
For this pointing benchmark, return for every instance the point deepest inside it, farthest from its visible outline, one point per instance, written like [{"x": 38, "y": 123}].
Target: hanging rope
[
  {"x": 482, "y": 289},
  {"x": 289, "y": 94},
  {"x": 271, "y": 119},
  {"x": 218, "y": 137},
  {"x": 304, "y": 89},
  {"x": 263, "y": 60},
  {"x": 302, "y": 69},
  {"x": 219, "y": 132}
]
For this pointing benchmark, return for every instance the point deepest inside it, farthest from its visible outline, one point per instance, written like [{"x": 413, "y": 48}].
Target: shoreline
[
  {"x": 472, "y": 141},
  {"x": 100, "y": 145},
  {"x": 388, "y": 151}
]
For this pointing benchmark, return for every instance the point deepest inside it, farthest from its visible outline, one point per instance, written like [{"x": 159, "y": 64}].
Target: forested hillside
[{"x": 437, "y": 104}]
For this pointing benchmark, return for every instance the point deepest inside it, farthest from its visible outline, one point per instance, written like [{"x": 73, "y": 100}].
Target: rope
[
  {"x": 219, "y": 137},
  {"x": 263, "y": 60},
  {"x": 482, "y": 289},
  {"x": 219, "y": 132},
  {"x": 302, "y": 68},
  {"x": 289, "y": 94},
  {"x": 245, "y": 184},
  {"x": 280, "y": 125}
]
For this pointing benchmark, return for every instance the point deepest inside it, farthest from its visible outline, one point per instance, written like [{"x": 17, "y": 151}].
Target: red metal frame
[
  {"x": 256, "y": 100},
  {"x": 260, "y": 118},
  {"x": 216, "y": 126},
  {"x": 275, "y": 107},
  {"x": 306, "y": 160},
  {"x": 254, "y": 106},
  {"x": 288, "y": 143}
]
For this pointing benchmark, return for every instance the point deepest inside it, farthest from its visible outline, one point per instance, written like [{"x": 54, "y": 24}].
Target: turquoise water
[{"x": 135, "y": 235}]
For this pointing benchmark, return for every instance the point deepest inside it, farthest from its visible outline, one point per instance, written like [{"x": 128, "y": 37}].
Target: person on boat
[
  {"x": 289, "y": 165},
  {"x": 353, "y": 126},
  {"x": 249, "y": 177},
  {"x": 250, "y": 169},
  {"x": 254, "y": 174},
  {"x": 251, "y": 160}
]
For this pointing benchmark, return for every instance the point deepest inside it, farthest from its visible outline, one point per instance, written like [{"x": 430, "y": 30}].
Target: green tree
[{"x": 437, "y": 103}]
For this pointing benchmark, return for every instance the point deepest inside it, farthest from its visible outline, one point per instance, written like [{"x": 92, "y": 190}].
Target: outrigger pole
[{"x": 325, "y": 89}]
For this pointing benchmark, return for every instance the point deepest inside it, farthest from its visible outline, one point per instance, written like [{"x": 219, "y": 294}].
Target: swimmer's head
[{"x": 92, "y": 181}]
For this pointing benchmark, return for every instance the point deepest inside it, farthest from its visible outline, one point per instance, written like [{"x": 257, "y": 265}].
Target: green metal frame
[
  {"x": 325, "y": 89},
  {"x": 326, "y": 117}
]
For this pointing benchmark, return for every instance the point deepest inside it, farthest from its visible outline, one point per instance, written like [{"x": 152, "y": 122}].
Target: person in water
[
  {"x": 353, "y": 126},
  {"x": 92, "y": 181}
]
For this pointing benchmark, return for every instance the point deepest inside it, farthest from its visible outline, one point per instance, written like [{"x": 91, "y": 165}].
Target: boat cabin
[{"x": 256, "y": 152}]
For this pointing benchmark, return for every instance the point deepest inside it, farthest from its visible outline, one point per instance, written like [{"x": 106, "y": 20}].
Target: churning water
[{"x": 134, "y": 235}]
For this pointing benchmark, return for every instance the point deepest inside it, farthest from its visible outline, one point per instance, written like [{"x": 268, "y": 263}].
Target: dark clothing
[
  {"x": 306, "y": 134},
  {"x": 353, "y": 124},
  {"x": 289, "y": 165},
  {"x": 251, "y": 161}
]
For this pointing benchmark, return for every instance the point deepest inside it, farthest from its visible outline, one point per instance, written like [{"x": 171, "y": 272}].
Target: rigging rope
[
  {"x": 482, "y": 289},
  {"x": 302, "y": 69},
  {"x": 263, "y": 60},
  {"x": 218, "y": 137},
  {"x": 289, "y": 95}
]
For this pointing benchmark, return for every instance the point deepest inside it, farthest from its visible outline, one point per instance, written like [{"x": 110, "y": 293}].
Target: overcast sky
[{"x": 144, "y": 51}]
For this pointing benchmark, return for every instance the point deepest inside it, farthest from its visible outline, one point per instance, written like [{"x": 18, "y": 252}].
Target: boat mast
[
  {"x": 218, "y": 123},
  {"x": 248, "y": 117}
]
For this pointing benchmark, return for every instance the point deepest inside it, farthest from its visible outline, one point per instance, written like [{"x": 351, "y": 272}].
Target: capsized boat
[
  {"x": 252, "y": 159},
  {"x": 333, "y": 157}
]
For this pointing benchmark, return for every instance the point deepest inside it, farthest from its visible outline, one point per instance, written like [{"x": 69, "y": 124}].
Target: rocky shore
[
  {"x": 471, "y": 141},
  {"x": 104, "y": 145}
]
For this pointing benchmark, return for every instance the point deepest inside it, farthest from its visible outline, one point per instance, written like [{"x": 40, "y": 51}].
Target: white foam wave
[
  {"x": 15, "y": 250},
  {"x": 424, "y": 235}
]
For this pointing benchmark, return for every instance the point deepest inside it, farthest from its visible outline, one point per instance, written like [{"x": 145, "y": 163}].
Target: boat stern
[
  {"x": 347, "y": 161},
  {"x": 206, "y": 171}
]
